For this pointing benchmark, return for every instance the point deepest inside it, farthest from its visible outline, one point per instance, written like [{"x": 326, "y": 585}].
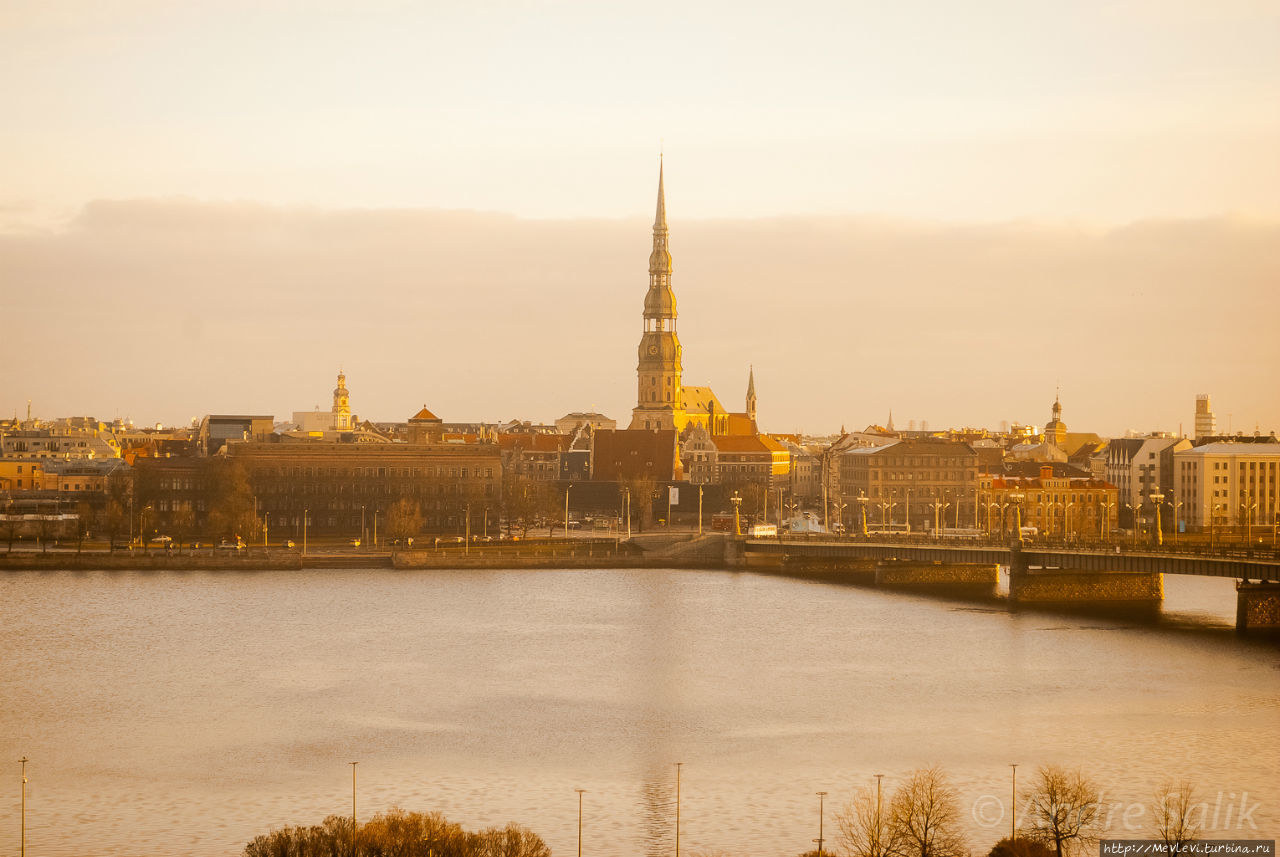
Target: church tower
[
  {"x": 751, "y": 393},
  {"x": 341, "y": 405},
  {"x": 1055, "y": 431},
  {"x": 659, "y": 400}
]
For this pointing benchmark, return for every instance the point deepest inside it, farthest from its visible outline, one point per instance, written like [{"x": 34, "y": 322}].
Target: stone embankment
[{"x": 247, "y": 560}]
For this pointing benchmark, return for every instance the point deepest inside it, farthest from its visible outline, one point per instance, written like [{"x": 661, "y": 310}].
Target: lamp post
[
  {"x": 736, "y": 500},
  {"x": 24, "y": 807},
  {"x": 840, "y": 506},
  {"x": 353, "y": 807},
  {"x": 862, "y": 508},
  {"x": 875, "y": 838},
  {"x": 1133, "y": 511},
  {"x": 821, "y": 797},
  {"x": 699, "y": 510},
  {"x": 938, "y": 508},
  {"x": 1177, "y": 521},
  {"x": 1157, "y": 500},
  {"x": 1016, "y": 498},
  {"x": 566, "y": 509},
  {"x": 579, "y": 791},
  {"x": 678, "y": 766},
  {"x": 363, "y": 535},
  {"x": 1013, "y": 807}
]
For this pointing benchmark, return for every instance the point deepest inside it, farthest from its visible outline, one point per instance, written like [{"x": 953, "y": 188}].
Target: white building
[{"x": 1228, "y": 484}]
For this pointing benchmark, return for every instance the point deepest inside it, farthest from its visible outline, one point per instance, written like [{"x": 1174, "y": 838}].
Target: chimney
[{"x": 1046, "y": 471}]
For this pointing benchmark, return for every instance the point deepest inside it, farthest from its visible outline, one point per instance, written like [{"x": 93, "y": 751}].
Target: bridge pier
[
  {"x": 1258, "y": 606},
  {"x": 967, "y": 579},
  {"x": 1142, "y": 590}
]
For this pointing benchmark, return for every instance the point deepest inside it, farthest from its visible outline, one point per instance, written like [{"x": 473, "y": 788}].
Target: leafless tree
[
  {"x": 510, "y": 841},
  {"x": 1171, "y": 821},
  {"x": 1063, "y": 810},
  {"x": 864, "y": 826},
  {"x": 925, "y": 816},
  {"x": 404, "y": 519}
]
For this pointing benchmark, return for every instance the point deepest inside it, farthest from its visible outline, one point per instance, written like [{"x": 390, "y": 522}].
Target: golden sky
[{"x": 1108, "y": 167}]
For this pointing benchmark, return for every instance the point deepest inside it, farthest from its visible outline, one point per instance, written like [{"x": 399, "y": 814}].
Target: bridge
[
  {"x": 1239, "y": 564},
  {"x": 1038, "y": 573}
]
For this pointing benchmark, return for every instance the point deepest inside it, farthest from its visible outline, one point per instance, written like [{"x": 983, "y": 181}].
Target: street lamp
[
  {"x": 840, "y": 506},
  {"x": 1013, "y": 807},
  {"x": 566, "y": 509},
  {"x": 353, "y": 807},
  {"x": 1157, "y": 500},
  {"x": 24, "y": 806},
  {"x": 1016, "y": 498},
  {"x": 736, "y": 500},
  {"x": 821, "y": 797},
  {"x": 938, "y": 507},
  {"x": 579, "y": 791},
  {"x": 862, "y": 505},
  {"x": 678, "y": 766}
]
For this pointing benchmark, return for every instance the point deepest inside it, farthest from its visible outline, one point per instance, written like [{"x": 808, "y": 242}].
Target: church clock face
[{"x": 653, "y": 349}]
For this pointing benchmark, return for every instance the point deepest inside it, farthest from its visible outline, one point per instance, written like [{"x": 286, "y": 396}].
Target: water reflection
[{"x": 224, "y": 704}]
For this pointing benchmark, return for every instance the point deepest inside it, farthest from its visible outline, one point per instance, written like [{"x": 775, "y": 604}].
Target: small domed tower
[{"x": 341, "y": 405}]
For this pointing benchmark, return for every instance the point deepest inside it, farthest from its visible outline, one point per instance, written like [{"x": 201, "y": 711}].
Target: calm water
[{"x": 183, "y": 713}]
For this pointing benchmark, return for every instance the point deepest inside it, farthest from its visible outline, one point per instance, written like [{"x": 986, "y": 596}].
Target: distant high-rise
[{"x": 1206, "y": 424}]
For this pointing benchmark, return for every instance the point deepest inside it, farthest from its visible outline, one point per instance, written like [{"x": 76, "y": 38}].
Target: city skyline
[{"x": 875, "y": 215}]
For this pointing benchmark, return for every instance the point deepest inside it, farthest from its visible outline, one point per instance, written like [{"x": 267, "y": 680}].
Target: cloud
[{"x": 166, "y": 309}]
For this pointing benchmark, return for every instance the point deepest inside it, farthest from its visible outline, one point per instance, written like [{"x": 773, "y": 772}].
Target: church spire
[
  {"x": 751, "y": 392},
  {"x": 660, "y": 219}
]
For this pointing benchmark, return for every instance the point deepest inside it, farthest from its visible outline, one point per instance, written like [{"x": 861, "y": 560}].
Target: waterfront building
[
  {"x": 1227, "y": 484},
  {"x": 910, "y": 481},
  {"x": 334, "y": 482},
  {"x": 1059, "y": 501}
]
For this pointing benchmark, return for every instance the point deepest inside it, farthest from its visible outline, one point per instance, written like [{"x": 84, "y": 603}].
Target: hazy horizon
[{"x": 228, "y": 308}]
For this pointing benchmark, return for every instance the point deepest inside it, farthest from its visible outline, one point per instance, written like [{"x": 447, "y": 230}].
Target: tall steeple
[
  {"x": 659, "y": 396},
  {"x": 751, "y": 393}
]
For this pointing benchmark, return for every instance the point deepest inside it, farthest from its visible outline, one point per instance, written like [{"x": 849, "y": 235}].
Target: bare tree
[
  {"x": 1063, "y": 810},
  {"x": 1171, "y": 821},
  {"x": 864, "y": 828},
  {"x": 510, "y": 841},
  {"x": 925, "y": 816},
  {"x": 404, "y": 519}
]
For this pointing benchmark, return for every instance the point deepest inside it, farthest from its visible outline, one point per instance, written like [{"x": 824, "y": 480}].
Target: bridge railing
[{"x": 1263, "y": 552}]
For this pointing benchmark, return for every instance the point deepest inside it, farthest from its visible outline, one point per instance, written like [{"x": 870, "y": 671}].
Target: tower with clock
[{"x": 659, "y": 399}]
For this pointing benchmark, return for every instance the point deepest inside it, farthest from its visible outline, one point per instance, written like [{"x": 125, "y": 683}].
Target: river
[{"x": 185, "y": 712}]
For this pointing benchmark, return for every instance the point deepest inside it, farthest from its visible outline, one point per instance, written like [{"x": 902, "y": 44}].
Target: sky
[{"x": 948, "y": 210}]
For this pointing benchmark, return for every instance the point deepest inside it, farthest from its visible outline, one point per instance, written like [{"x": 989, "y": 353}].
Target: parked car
[{"x": 161, "y": 540}]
